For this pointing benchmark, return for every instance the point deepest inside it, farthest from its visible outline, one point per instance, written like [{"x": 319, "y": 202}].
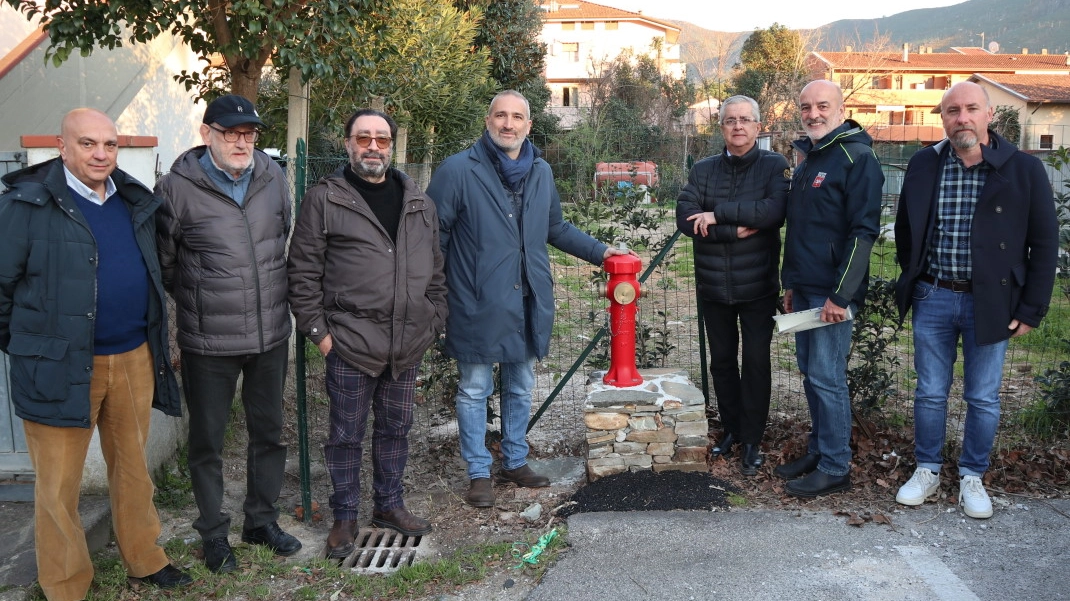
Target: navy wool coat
[
  {"x": 492, "y": 260},
  {"x": 1014, "y": 238}
]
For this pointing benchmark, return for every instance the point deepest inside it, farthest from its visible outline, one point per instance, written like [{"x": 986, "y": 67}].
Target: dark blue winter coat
[
  {"x": 1014, "y": 237},
  {"x": 491, "y": 259},
  {"x": 48, "y": 290},
  {"x": 834, "y": 211}
]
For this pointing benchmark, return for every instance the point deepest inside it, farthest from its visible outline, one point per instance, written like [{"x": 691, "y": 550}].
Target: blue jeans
[
  {"x": 477, "y": 383},
  {"x": 940, "y": 318},
  {"x": 822, "y": 356}
]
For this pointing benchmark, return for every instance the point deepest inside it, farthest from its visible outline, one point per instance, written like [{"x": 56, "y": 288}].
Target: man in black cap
[{"x": 222, "y": 240}]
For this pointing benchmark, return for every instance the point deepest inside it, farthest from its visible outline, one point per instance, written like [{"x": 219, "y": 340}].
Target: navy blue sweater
[{"x": 122, "y": 278}]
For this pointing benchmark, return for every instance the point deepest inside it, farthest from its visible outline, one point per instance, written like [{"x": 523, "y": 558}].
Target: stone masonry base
[{"x": 658, "y": 425}]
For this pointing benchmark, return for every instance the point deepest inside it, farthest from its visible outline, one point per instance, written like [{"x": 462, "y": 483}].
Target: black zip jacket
[
  {"x": 751, "y": 191},
  {"x": 833, "y": 215},
  {"x": 48, "y": 295}
]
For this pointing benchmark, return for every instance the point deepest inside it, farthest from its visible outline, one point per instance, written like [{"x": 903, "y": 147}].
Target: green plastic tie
[{"x": 534, "y": 551}]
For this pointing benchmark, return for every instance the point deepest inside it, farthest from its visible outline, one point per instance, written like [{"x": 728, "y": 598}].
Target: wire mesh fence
[{"x": 667, "y": 328}]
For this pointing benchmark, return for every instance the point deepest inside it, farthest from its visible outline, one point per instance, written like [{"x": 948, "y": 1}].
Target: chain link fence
[{"x": 668, "y": 326}]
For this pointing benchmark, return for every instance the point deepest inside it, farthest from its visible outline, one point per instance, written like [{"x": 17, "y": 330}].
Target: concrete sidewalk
[
  {"x": 19, "y": 565},
  {"x": 930, "y": 553}
]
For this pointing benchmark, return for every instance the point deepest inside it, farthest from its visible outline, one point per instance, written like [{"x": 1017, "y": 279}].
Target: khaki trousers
[{"x": 121, "y": 392}]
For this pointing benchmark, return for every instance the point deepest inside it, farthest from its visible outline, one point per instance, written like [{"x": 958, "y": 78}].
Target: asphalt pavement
[
  {"x": 18, "y": 566},
  {"x": 930, "y": 553}
]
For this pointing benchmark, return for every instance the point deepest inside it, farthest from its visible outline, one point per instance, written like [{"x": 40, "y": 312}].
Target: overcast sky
[{"x": 746, "y": 16}]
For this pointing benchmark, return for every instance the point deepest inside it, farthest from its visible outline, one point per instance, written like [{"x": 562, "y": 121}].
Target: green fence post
[{"x": 300, "y": 173}]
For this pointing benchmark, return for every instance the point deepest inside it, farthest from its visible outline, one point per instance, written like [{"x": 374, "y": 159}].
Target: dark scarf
[{"x": 511, "y": 171}]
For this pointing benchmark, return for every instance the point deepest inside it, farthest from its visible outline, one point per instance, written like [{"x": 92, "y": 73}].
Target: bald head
[
  {"x": 78, "y": 117},
  {"x": 966, "y": 112},
  {"x": 89, "y": 146},
  {"x": 821, "y": 108}
]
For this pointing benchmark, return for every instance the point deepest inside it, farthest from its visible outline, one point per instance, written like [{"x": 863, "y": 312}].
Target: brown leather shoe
[
  {"x": 480, "y": 493},
  {"x": 524, "y": 476},
  {"x": 340, "y": 540},
  {"x": 402, "y": 520}
]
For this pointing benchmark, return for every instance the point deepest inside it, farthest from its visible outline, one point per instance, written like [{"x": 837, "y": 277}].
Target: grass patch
[
  {"x": 174, "y": 488},
  {"x": 260, "y": 575},
  {"x": 736, "y": 500}
]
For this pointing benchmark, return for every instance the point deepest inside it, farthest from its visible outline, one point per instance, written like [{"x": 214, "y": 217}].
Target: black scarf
[{"x": 511, "y": 171}]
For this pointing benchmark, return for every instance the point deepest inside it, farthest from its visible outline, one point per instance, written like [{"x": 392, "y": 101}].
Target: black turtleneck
[{"x": 385, "y": 198}]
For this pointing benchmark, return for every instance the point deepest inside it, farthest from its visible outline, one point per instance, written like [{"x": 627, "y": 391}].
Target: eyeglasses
[
  {"x": 732, "y": 121},
  {"x": 232, "y": 135},
  {"x": 365, "y": 141}
]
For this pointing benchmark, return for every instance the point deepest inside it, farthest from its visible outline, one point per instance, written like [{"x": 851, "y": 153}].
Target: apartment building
[
  {"x": 894, "y": 94},
  {"x": 581, "y": 37}
]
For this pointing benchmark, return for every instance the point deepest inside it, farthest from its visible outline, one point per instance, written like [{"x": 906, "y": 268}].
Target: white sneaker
[
  {"x": 973, "y": 498},
  {"x": 922, "y": 485}
]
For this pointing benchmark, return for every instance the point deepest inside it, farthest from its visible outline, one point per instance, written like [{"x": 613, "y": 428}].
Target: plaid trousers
[{"x": 353, "y": 395}]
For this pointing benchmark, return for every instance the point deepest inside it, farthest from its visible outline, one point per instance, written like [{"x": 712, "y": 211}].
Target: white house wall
[
  {"x": 13, "y": 28},
  {"x": 132, "y": 84},
  {"x": 599, "y": 46},
  {"x": 1048, "y": 120},
  {"x": 596, "y": 47}
]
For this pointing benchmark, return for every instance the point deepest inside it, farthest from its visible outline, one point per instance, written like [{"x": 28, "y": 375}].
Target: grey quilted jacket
[{"x": 225, "y": 264}]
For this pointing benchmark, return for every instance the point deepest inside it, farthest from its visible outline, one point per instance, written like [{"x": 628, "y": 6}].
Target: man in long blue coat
[{"x": 498, "y": 208}]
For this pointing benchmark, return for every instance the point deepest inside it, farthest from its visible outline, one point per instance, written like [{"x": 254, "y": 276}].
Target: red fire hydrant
[{"x": 622, "y": 292}]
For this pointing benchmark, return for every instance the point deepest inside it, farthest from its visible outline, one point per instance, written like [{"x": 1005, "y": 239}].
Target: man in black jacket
[
  {"x": 977, "y": 239},
  {"x": 833, "y": 219},
  {"x": 733, "y": 206},
  {"x": 83, "y": 318}
]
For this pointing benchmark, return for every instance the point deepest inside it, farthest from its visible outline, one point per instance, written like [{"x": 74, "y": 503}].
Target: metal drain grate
[{"x": 381, "y": 551}]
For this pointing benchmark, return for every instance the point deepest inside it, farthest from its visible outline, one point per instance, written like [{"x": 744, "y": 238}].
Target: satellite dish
[{"x": 993, "y": 47}]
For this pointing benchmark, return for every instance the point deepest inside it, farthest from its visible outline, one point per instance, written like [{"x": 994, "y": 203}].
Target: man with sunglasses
[
  {"x": 222, "y": 240},
  {"x": 367, "y": 286}
]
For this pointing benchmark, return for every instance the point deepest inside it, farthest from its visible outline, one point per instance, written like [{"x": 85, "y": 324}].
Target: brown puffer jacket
[
  {"x": 383, "y": 304},
  {"x": 224, "y": 264}
]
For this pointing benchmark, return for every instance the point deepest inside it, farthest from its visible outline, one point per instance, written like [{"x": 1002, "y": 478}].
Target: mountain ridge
[{"x": 1034, "y": 25}]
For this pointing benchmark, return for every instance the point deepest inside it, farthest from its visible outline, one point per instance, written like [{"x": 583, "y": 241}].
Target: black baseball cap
[{"x": 231, "y": 110}]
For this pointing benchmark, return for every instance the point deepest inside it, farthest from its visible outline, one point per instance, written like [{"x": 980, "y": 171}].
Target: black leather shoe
[
  {"x": 168, "y": 577},
  {"x": 724, "y": 448},
  {"x": 818, "y": 483},
  {"x": 524, "y": 476},
  {"x": 751, "y": 459},
  {"x": 218, "y": 555},
  {"x": 800, "y": 467},
  {"x": 272, "y": 537}
]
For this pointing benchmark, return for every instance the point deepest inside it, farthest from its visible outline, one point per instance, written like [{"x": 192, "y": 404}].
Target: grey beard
[
  {"x": 964, "y": 140},
  {"x": 365, "y": 170}
]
